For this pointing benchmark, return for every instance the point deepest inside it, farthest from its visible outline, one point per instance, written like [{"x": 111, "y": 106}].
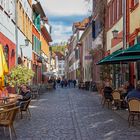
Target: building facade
[
  {"x": 7, "y": 31},
  {"x": 38, "y": 13},
  {"x": 133, "y": 30},
  {"x": 24, "y": 31}
]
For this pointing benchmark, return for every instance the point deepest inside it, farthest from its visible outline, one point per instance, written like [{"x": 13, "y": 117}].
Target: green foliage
[
  {"x": 58, "y": 48},
  {"x": 19, "y": 75},
  {"x": 105, "y": 72}
]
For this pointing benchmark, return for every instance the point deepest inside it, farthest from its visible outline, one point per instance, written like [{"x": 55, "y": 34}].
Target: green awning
[
  {"x": 109, "y": 57},
  {"x": 134, "y": 50},
  {"x": 130, "y": 54},
  {"x": 122, "y": 59}
]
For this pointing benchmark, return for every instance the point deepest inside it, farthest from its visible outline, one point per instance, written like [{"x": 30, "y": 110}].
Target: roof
[
  {"x": 38, "y": 9},
  {"x": 82, "y": 24},
  {"x": 59, "y": 55},
  {"x": 46, "y": 33}
]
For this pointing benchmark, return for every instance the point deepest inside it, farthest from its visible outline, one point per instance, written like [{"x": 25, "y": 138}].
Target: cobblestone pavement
[{"x": 72, "y": 114}]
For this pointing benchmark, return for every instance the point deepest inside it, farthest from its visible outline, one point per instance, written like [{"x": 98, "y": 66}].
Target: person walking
[
  {"x": 74, "y": 83},
  {"x": 62, "y": 83}
]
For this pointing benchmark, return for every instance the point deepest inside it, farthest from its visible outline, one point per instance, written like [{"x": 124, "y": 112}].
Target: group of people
[
  {"x": 127, "y": 91},
  {"x": 66, "y": 83},
  {"x": 62, "y": 82}
]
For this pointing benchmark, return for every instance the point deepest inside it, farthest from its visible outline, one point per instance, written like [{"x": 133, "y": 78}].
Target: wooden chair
[
  {"x": 25, "y": 108},
  {"x": 117, "y": 98},
  {"x": 105, "y": 101},
  {"x": 8, "y": 106},
  {"x": 134, "y": 110},
  {"x": 50, "y": 86},
  {"x": 7, "y": 118},
  {"x": 34, "y": 92}
]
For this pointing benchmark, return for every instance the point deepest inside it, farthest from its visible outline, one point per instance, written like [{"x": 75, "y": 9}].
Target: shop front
[{"x": 9, "y": 50}]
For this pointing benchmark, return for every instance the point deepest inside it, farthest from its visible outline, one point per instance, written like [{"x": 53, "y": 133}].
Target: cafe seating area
[
  {"x": 8, "y": 112},
  {"x": 9, "y": 109},
  {"x": 131, "y": 108}
]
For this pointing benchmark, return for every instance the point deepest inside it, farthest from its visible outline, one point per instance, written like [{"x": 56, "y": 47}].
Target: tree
[{"x": 19, "y": 75}]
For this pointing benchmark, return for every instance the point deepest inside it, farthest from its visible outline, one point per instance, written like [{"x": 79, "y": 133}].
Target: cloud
[
  {"x": 61, "y": 32},
  {"x": 65, "y": 7},
  {"x": 62, "y": 14},
  {"x": 66, "y": 20},
  {"x": 62, "y": 27}
]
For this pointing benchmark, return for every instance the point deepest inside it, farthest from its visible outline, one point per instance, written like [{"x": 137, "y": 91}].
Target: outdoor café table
[
  {"x": 4, "y": 99},
  {"x": 10, "y": 98}
]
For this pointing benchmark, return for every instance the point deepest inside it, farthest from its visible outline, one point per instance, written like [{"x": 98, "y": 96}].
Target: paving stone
[{"x": 72, "y": 114}]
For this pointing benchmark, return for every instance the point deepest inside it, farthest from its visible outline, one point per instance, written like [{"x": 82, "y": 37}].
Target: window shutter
[{"x": 93, "y": 29}]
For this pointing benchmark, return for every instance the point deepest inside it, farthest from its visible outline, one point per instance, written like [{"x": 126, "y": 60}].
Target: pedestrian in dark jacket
[
  {"x": 74, "y": 83},
  {"x": 135, "y": 93}
]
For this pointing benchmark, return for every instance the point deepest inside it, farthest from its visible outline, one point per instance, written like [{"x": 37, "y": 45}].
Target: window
[
  {"x": 118, "y": 4},
  {"x": 109, "y": 16},
  {"x": 59, "y": 71},
  {"x": 59, "y": 65},
  {"x": 114, "y": 12},
  {"x": 120, "y": 8},
  {"x": 134, "y": 3}
]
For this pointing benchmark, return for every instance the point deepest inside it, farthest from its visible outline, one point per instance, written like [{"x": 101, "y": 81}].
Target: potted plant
[{"x": 19, "y": 75}]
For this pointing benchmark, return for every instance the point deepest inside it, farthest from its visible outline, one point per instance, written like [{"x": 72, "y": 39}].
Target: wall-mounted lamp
[
  {"x": 27, "y": 42},
  {"x": 6, "y": 49},
  {"x": 23, "y": 46},
  {"x": 115, "y": 34}
]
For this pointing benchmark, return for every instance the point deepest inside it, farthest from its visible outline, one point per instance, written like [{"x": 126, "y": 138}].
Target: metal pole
[
  {"x": 124, "y": 24},
  {"x": 16, "y": 31},
  {"x": 124, "y": 39}
]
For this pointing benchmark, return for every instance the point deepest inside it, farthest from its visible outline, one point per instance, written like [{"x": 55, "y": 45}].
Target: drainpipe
[
  {"x": 124, "y": 37},
  {"x": 124, "y": 24}
]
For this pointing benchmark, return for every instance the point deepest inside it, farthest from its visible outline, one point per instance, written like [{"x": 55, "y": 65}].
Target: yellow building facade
[{"x": 24, "y": 18}]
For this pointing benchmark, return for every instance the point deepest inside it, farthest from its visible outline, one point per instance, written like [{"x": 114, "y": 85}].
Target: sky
[{"x": 62, "y": 14}]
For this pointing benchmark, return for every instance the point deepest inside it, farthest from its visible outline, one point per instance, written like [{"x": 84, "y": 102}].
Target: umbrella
[{"x": 3, "y": 67}]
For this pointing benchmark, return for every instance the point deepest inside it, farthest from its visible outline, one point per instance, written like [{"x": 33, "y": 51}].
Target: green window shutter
[
  {"x": 38, "y": 22},
  {"x": 34, "y": 44}
]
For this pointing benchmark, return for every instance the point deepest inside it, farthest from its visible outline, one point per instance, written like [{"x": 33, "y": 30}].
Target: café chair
[
  {"x": 117, "y": 98},
  {"x": 8, "y": 106},
  {"x": 35, "y": 92},
  {"x": 134, "y": 110},
  {"x": 7, "y": 117},
  {"x": 25, "y": 108}
]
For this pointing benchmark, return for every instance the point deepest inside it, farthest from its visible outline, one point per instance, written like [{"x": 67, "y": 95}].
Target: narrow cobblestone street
[{"x": 72, "y": 114}]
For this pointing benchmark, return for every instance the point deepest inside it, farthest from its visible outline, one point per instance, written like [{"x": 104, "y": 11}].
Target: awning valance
[
  {"x": 109, "y": 57},
  {"x": 134, "y": 50},
  {"x": 130, "y": 54}
]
